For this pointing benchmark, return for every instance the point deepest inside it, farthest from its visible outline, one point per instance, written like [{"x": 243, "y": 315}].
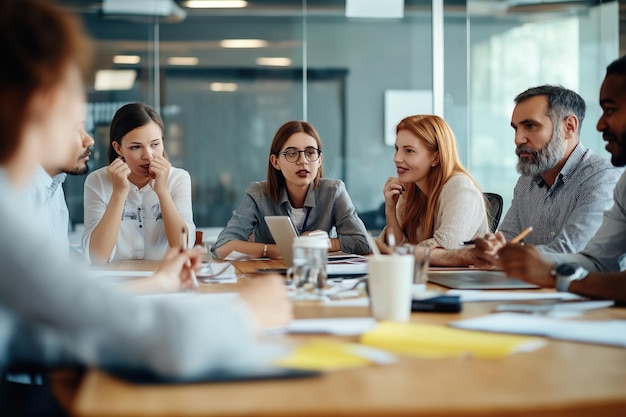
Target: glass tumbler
[
  {"x": 421, "y": 252},
  {"x": 308, "y": 272}
]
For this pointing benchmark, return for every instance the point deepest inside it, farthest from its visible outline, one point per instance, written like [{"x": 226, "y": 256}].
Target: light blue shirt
[
  {"x": 330, "y": 207},
  {"x": 606, "y": 251},
  {"x": 52, "y": 312},
  {"x": 49, "y": 198},
  {"x": 565, "y": 216}
]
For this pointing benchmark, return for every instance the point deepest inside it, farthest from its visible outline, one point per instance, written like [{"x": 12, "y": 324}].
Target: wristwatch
[{"x": 566, "y": 273}]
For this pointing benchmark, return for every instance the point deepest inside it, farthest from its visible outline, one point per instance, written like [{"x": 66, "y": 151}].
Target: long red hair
[{"x": 419, "y": 209}]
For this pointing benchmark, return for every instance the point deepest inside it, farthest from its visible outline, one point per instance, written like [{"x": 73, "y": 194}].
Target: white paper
[
  {"x": 349, "y": 302},
  {"x": 608, "y": 332},
  {"x": 346, "y": 269},
  {"x": 207, "y": 272},
  {"x": 556, "y": 307},
  {"x": 236, "y": 256},
  {"x": 114, "y": 277},
  {"x": 471, "y": 296},
  {"x": 98, "y": 273},
  {"x": 222, "y": 296}
]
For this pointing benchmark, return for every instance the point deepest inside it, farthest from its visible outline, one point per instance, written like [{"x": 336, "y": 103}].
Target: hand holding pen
[
  {"x": 188, "y": 266},
  {"x": 487, "y": 248},
  {"x": 174, "y": 271}
]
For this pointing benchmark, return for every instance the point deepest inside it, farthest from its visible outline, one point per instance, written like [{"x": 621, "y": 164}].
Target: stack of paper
[{"x": 427, "y": 340}]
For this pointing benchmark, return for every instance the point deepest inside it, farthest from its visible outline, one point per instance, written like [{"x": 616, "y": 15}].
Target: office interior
[{"x": 225, "y": 79}]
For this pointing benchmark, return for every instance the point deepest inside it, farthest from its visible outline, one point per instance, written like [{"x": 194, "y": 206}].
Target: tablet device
[
  {"x": 477, "y": 280},
  {"x": 283, "y": 232}
]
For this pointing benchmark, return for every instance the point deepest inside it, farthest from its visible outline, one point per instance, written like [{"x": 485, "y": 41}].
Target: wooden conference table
[{"x": 559, "y": 379}]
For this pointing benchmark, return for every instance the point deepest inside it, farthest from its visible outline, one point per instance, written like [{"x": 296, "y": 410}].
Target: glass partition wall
[{"x": 224, "y": 80}]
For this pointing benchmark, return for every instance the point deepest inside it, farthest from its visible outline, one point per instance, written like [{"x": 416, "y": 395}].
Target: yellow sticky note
[
  {"x": 426, "y": 340},
  {"x": 323, "y": 355}
]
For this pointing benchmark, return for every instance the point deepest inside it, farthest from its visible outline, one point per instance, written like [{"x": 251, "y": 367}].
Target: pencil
[
  {"x": 183, "y": 247},
  {"x": 522, "y": 235}
]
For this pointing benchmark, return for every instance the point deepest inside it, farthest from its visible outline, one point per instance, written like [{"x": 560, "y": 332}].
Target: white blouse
[{"x": 142, "y": 233}]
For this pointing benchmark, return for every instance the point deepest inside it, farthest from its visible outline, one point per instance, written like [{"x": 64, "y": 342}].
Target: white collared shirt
[{"x": 142, "y": 233}]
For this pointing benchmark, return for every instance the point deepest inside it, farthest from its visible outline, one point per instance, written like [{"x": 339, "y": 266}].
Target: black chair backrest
[{"x": 494, "y": 209}]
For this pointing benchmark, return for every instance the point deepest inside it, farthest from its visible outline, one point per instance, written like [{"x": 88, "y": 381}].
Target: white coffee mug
[{"x": 389, "y": 285}]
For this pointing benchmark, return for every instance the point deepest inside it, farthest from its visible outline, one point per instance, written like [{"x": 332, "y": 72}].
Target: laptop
[
  {"x": 284, "y": 232},
  {"x": 477, "y": 280}
]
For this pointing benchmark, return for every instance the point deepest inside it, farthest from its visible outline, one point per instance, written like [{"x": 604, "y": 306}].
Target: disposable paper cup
[{"x": 389, "y": 284}]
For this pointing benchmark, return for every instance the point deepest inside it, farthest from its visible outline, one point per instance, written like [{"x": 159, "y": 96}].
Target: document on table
[
  {"x": 217, "y": 272},
  {"x": 236, "y": 256},
  {"x": 346, "y": 269},
  {"x": 470, "y": 296},
  {"x": 326, "y": 355},
  {"x": 349, "y": 326},
  {"x": 607, "y": 332},
  {"x": 428, "y": 340},
  {"x": 112, "y": 277}
]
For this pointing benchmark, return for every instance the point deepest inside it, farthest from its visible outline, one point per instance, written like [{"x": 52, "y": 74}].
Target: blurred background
[{"x": 226, "y": 74}]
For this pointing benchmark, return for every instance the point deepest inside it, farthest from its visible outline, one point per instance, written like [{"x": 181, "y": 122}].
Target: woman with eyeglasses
[
  {"x": 433, "y": 199},
  {"x": 294, "y": 188},
  {"x": 138, "y": 205}
]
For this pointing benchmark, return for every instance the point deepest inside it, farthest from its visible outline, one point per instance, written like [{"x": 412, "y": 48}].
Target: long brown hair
[
  {"x": 419, "y": 209},
  {"x": 37, "y": 44},
  {"x": 275, "y": 178}
]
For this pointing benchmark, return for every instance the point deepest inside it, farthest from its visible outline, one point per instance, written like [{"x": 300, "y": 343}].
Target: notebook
[
  {"x": 284, "y": 232},
  {"x": 477, "y": 280}
]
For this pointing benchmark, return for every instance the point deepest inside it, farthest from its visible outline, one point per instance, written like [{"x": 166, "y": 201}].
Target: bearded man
[{"x": 564, "y": 188}]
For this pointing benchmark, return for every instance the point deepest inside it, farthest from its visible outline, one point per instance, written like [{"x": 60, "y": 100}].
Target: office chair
[{"x": 494, "y": 209}]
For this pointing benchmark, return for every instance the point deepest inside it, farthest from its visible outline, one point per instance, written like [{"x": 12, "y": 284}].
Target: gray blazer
[{"x": 330, "y": 207}]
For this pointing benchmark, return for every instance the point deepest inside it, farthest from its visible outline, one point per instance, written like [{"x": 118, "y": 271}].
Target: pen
[
  {"x": 183, "y": 247},
  {"x": 469, "y": 242},
  {"x": 522, "y": 235}
]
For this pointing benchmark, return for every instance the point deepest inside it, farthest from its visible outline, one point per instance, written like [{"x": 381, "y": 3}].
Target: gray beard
[{"x": 544, "y": 159}]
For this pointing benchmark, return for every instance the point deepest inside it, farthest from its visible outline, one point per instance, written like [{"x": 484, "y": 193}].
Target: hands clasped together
[{"x": 157, "y": 169}]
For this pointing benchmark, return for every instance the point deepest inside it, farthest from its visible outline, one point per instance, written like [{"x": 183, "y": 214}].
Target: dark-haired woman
[
  {"x": 136, "y": 207},
  {"x": 294, "y": 188}
]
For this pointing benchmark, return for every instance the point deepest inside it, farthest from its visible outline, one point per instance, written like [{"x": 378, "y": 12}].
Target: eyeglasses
[{"x": 292, "y": 154}]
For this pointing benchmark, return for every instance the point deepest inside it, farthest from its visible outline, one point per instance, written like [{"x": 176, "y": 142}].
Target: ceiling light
[
  {"x": 107, "y": 80},
  {"x": 274, "y": 61},
  {"x": 214, "y": 4},
  {"x": 243, "y": 43},
  {"x": 126, "y": 59},
  {"x": 223, "y": 87},
  {"x": 182, "y": 60},
  {"x": 166, "y": 9}
]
